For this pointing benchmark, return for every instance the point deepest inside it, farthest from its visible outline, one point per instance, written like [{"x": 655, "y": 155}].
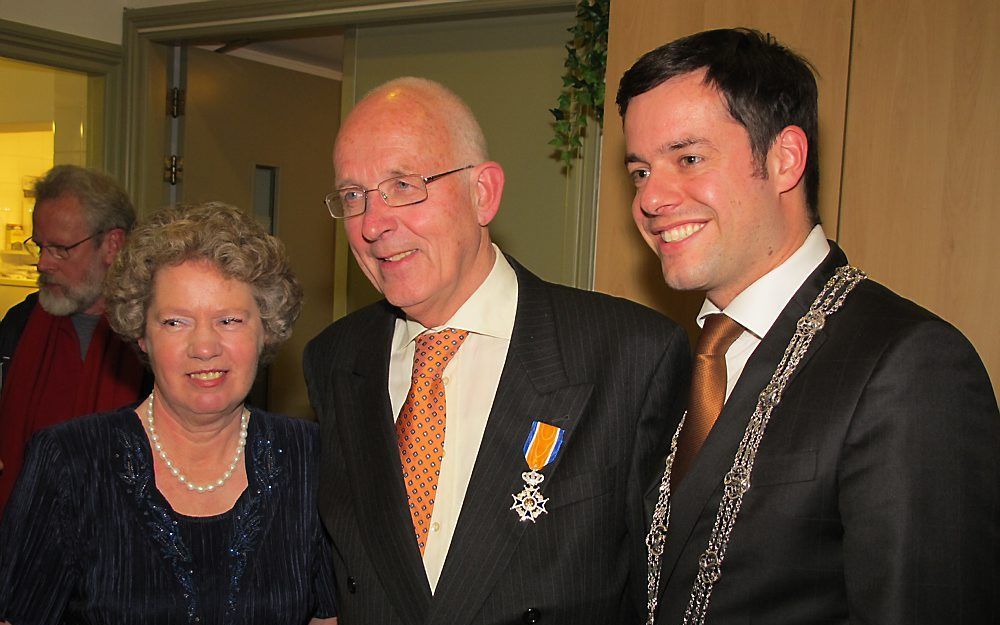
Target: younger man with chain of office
[{"x": 840, "y": 457}]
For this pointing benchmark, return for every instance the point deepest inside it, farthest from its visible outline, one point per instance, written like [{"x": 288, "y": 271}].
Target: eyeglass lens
[
  {"x": 394, "y": 191},
  {"x": 59, "y": 252}
]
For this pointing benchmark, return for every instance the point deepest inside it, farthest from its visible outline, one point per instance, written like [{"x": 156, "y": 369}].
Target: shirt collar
[
  {"x": 490, "y": 310},
  {"x": 759, "y": 305}
]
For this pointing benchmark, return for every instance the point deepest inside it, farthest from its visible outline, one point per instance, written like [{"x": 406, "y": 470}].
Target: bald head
[
  {"x": 426, "y": 256},
  {"x": 430, "y": 109}
]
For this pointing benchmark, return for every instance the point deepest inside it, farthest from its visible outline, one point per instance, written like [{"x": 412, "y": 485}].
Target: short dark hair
[
  {"x": 767, "y": 87},
  {"x": 105, "y": 204}
]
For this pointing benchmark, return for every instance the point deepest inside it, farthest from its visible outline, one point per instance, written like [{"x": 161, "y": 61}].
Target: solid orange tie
[
  {"x": 708, "y": 390},
  {"x": 421, "y": 425}
]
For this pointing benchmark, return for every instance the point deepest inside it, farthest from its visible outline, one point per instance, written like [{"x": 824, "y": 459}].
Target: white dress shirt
[
  {"x": 470, "y": 379},
  {"x": 759, "y": 305}
]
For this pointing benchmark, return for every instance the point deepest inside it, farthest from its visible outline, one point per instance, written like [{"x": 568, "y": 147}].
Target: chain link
[{"x": 737, "y": 480}]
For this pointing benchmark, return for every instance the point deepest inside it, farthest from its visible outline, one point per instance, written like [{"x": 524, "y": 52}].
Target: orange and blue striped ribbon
[{"x": 543, "y": 444}]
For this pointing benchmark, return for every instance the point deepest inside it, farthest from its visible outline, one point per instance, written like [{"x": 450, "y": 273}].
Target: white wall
[{"x": 94, "y": 19}]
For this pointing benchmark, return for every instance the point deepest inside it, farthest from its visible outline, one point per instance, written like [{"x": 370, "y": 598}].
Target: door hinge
[
  {"x": 173, "y": 168},
  {"x": 175, "y": 102}
]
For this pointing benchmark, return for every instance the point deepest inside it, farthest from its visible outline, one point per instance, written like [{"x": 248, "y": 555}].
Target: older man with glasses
[
  {"x": 487, "y": 436},
  {"x": 59, "y": 359}
]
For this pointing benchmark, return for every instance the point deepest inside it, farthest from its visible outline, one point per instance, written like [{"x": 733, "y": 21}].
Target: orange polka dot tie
[{"x": 421, "y": 423}]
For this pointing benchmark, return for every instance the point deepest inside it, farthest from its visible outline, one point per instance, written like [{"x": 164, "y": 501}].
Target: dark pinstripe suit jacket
[
  {"x": 875, "y": 497},
  {"x": 610, "y": 372}
]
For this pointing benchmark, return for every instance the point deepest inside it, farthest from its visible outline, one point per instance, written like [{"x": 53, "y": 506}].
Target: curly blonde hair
[{"x": 215, "y": 232}]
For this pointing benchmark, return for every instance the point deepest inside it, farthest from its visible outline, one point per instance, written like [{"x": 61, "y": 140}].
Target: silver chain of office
[{"x": 737, "y": 481}]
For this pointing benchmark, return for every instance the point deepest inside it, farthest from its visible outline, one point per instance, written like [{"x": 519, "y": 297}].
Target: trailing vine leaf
[{"x": 582, "y": 95}]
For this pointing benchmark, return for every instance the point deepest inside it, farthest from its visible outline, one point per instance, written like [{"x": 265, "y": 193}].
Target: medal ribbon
[{"x": 543, "y": 444}]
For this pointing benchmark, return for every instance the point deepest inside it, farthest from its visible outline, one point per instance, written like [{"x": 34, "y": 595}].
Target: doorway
[
  {"x": 251, "y": 124},
  {"x": 61, "y": 94},
  {"x": 561, "y": 221},
  {"x": 49, "y": 120}
]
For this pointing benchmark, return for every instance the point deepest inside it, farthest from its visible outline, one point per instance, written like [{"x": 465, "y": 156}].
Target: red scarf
[{"x": 48, "y": 383}]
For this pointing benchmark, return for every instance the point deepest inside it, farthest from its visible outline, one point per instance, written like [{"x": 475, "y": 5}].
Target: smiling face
[
  {"x": 203, "y": 338},
  {"x": 715, "y": 223},
  {"x": 426, "y": 258}
]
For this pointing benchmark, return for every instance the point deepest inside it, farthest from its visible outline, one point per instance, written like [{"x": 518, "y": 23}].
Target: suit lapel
[
  {"x": 716, "y": 456},
  {"x": 372, "y": 460},
  {"x": 533, "y": 386}
]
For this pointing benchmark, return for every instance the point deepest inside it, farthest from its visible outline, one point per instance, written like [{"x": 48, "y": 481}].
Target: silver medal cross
[{"x": 529, "y": 503}]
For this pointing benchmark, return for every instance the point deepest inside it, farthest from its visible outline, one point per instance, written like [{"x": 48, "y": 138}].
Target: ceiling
[{"x": 322, "y": 55}]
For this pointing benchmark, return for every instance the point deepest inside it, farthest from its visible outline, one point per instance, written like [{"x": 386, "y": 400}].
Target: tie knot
[
  {"x": 718, "y": 334},
  {"x": 435, "y": 349}
]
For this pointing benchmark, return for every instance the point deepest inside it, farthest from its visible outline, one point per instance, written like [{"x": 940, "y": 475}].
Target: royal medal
[{"x": 541, "y": 448}]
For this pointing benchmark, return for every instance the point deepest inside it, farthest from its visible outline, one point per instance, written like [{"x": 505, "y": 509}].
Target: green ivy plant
[{"x": 582, "y": 95}]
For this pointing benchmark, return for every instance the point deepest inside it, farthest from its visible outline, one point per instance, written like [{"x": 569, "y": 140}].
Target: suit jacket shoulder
[
  {"x": 14, "y": 321},
  {"x": 589, "y": 322},
  {"x": 11, "y": 328},
  {"x": 353, "y": 330},
  {"x": 874, "y": 492}
]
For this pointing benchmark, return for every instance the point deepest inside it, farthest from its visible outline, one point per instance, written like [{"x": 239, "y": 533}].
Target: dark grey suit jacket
[
  {"x": 612, "y": 373},
  {"x": 876, "y": 493}
]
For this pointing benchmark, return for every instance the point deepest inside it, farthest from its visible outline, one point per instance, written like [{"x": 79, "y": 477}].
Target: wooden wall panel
[
  {"x": 818, "y": 29},
  {"x": 922, "y": 158}
]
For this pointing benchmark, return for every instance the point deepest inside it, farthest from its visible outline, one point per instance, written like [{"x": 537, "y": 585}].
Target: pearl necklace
[{"x": 191, "y": 486}]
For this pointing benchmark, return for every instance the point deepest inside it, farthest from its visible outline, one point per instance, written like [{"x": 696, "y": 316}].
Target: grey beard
[{"x": 75, "y": 300}]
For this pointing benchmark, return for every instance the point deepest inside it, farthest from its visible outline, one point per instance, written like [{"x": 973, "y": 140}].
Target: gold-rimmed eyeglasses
[{"x": 398, "y": 191}]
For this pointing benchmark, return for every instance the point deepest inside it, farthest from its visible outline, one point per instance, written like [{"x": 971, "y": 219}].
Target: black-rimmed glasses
[
  {"x": 59, "y": 252},
  {"x": 398, "y": 191}
]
